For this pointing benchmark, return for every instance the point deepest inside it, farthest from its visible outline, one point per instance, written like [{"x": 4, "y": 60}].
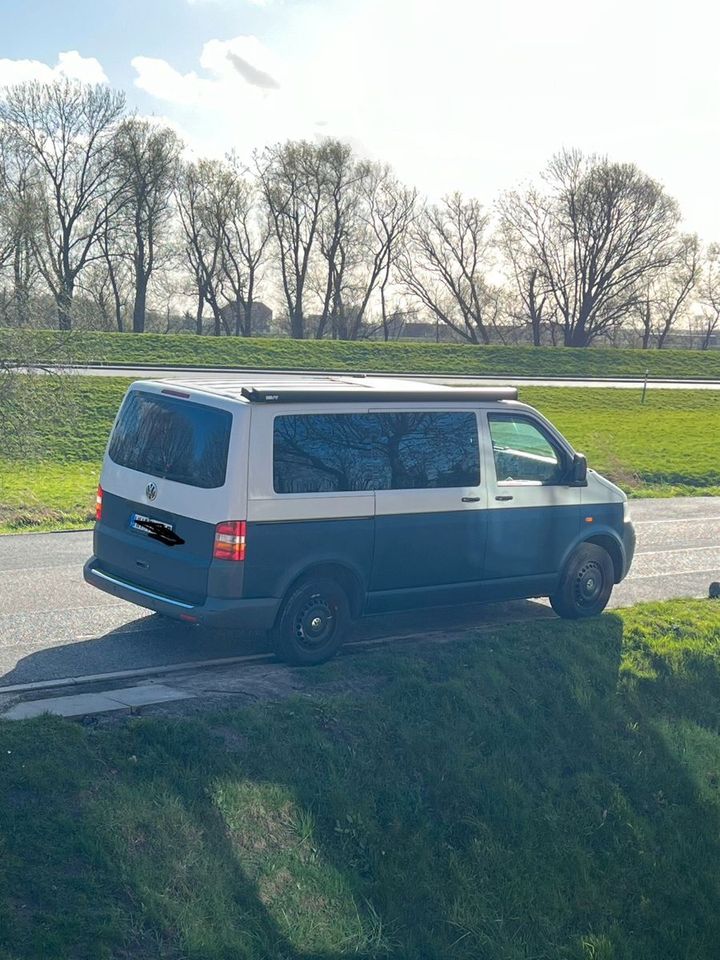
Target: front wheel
[
  {"x": 586, "y": 584},
  {"x": 313, "y": 622}
]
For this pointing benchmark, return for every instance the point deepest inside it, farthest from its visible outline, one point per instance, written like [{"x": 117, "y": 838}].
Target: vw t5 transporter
[{"x": 296, "y": 504}]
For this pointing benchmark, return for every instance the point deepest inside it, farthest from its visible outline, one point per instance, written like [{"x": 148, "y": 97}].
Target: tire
[
  {"x": 313, "y": 622},
  {"x": 585, "y": 585}
]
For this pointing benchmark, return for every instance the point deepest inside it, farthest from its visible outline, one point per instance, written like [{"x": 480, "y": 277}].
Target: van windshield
[{"x": 172, "y": 438}]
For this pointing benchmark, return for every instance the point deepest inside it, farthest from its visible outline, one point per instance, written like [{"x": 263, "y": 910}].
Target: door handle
[
  {"x": 505, "y": 498},
  {"x": 471, "y": 499}
]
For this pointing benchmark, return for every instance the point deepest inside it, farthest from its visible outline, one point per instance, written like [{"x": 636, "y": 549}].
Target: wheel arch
[
  {"x": 348, "y": 578},
  {"x": 612, "y": 546},
  {"x": 609, "y": 541}
]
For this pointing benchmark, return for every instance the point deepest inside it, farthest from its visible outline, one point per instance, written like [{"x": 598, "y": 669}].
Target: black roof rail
[{"x": 345, "y": 394}]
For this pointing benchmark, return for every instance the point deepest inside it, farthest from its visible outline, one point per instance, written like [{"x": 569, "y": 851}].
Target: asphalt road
[
  {"x": 200, "y": 373},
  {"x": 52, "y": 625}
]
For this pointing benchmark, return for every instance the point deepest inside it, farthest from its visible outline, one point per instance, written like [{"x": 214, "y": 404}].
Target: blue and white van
[{"x": 296, "y": 504}]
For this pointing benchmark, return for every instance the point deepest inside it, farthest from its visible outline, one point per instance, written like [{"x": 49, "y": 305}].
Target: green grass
[
  {"x": 339, "y": 355},
  {"x": 665, "y": 447},
  {"x": 549, "y": 790},
  {"x": 42, "y": 496}
]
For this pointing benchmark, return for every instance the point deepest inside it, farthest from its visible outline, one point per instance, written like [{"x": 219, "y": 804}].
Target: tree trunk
[
  {"x": 535, "y": 321},
  {"x": 21, "y": 294},
  {"x": 199, "y": 314},
  {"x": 64, "y": 302},
  {"x": 140, "y": 304},
  {"x": 297, "y": 323},
  {"x": 247, "y": 331},
  {"x": 708, "y": 336},
  {"x": 647, "y": 325},
  {"x": 577, "y": 337}
]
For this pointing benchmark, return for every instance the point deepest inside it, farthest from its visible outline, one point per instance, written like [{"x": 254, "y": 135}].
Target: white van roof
[{"x": 299, "y": 388}]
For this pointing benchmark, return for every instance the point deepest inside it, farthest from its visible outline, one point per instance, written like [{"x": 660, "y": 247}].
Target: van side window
[
  {"x": 429, "y": 450},
  {"x": 523, "y": 452},
  {"x": 325, "y": 453},
  {"x": 321, "y": 453}
]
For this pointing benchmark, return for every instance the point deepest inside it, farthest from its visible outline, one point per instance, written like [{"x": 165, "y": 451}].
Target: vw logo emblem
[{"x": 151, "y": 491}]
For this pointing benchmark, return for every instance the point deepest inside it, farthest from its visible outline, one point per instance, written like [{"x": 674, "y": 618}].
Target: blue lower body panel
[{"x": 238, "y": 612}]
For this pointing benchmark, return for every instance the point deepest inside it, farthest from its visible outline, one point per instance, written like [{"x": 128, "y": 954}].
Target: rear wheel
[
  {"x": 313, "y": 622},
  {"x": 586, "y": 584}
]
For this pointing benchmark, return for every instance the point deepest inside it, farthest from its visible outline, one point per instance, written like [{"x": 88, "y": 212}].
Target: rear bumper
[{"x": 252, "y": 613}]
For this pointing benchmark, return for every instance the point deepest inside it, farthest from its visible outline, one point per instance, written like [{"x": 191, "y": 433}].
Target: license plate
[{"x": 136, "y": 523}]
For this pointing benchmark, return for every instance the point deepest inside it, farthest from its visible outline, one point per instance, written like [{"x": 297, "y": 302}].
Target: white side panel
[
  {"x": 209, "y": 505},
  {"x": 389, "y": 502},
  {"x": 309, "y": 506}
]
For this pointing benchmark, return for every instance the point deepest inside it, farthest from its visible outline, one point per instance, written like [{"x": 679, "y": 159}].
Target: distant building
[{"x": 261, "y": 317}]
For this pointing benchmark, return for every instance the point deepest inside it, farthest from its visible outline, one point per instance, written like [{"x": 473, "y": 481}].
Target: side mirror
[{"x": 578, "y": 471}]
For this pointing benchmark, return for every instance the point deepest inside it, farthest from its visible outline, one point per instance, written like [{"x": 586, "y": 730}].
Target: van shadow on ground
[{"x": 152, "y": 641}]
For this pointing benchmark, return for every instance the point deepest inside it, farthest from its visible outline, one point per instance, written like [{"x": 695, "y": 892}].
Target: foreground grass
[
  {"x": 549, "y": 790},
  {"x": 665, "y": 447},
  {"x": 373, "y": 356}
]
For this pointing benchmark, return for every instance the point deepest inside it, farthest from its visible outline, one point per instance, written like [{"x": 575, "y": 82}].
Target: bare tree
[
  {"x": 668, "y": 297},
  {"x": 597, "y": 234},
  {"x": 236, "y": 221},
  {"x": 391, "y": 210},
  {"x": 203, "y": 250},
  {"x": 66, "y": 129},
  {"x": 446, "y": 265},
  {"x": 340, "y": 236},
  {"x": 114, "y": 271},
  {"x": 533, "y": 304},
  {"x": 145, "y": 172},
  {"x": 19, "y": 225},
  {"x": 709, "y": 296},
  {"x": 293, "y": 180},
  {"x": 363, "y": 222},
  {"x": 8, "y": 218}
]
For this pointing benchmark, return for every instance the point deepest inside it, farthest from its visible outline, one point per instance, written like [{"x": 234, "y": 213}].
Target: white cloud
[
  {"x": 232, "y": 68},
  {"x": 238, "y": 99},
  {"x": 69, "y": 64}
]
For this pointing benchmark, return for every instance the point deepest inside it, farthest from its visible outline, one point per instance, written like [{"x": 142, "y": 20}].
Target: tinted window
[
  {"x": 375, "y": 451},
  {"x": 324, "y": 453},
  {"x": 523, "y": 452},
  {"x": 172, "y": 438}
]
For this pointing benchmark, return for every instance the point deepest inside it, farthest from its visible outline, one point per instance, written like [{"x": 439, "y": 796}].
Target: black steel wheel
[
  {"x": 585, "y": 585},
  {"x": 313, "y": 622}
]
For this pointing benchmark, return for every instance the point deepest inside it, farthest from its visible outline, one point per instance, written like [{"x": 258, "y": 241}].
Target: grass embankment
[
  {"x": 668, "y": 446},
  {"x": 545, "y": 790},
  {"x": 373, "y": 356}
]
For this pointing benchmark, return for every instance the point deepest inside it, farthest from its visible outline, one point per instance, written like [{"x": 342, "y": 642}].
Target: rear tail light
[
  {"x": 230, "y": 540},
  {"x": 98, "y": 503}
]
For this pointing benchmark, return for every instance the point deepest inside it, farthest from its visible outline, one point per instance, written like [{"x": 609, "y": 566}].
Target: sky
[{"x": 474, "y": 95}]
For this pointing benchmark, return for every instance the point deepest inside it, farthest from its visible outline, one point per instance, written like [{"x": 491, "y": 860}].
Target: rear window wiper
[{"x": 158, "y": 531}]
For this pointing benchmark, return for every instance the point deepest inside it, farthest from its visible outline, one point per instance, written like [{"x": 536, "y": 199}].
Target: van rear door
[{"x": 165, "y": 487}]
